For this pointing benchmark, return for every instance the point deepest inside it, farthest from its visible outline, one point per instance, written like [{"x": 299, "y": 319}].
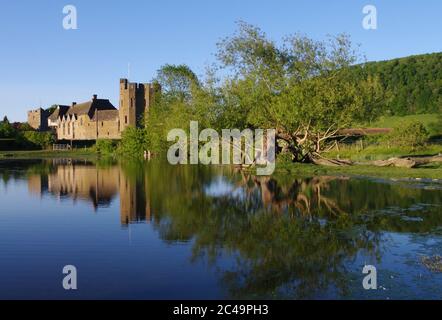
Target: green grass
[
  {"x": 47, "y": 154},
  {"x": 355, "y": 152},
  {"x": 433, "y": 171}
]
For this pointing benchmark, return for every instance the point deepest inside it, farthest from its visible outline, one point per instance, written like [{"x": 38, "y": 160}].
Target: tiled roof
[
  {"x": 89, "y": 108},
  {"x": 79, "y": 109},
  {"x": 59, "y": 112},
  {"x": 105, "y": 115}
]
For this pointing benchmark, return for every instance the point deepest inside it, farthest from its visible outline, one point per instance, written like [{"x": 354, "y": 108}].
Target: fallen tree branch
[
  {"x": 408, "y": 162},
  {"x": 319, "y": 160}
]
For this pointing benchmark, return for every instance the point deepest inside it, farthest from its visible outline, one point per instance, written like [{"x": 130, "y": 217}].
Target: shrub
[
  {"x": 6, "y": 130},
  {"x": 106, "y": 147},
  {"x": 41, "y": 140},
  {"x": 412, "y": 134},
  {"x": 133, "y": 143}
]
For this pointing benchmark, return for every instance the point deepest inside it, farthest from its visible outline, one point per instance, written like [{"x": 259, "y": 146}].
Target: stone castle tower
[
  {"x": 38, "y": 119},
  {"x": 135, "y": 100}
]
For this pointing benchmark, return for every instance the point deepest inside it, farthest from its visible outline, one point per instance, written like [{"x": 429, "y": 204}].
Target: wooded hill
[{"x": 413, "y": 84}]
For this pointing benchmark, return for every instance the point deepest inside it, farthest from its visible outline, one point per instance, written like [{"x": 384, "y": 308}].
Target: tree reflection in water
[{"x": 289, "y": 237}]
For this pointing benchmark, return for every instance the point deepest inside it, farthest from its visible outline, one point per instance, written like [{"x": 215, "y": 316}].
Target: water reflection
[{"x": 286, "y": 237}]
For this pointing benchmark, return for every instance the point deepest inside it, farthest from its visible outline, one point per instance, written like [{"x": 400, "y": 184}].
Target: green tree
[
  {"x": 302, "y": 87},
  {"x": 183, "y": 99},
  {"x": 6, "y": 129},
  {"x": 176, "y": 81}
]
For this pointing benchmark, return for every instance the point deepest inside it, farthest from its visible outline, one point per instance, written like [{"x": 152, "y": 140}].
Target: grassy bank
[
  {"x": 358, "y": 152},
  {"x": 32, "y": 154},
  {"x": 432, "y": 171}
]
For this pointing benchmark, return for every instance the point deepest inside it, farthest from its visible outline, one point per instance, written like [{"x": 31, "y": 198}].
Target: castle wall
[
  {"x": 86, "y": 128},
  {"x": 109, "y": 130}
]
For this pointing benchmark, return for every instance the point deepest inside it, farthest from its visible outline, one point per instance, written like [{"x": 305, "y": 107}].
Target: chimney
[{"x": 94, "y": 97}]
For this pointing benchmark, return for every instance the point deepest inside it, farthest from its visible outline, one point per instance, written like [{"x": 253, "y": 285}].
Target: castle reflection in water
[{"x": 99, "y": 186}]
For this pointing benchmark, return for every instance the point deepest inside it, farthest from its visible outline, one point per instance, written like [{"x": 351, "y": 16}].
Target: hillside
[{"x": 413, "y": 84}]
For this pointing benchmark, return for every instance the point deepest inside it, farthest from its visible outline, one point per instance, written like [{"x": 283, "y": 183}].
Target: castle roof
[
  {"x": 106, "y": 115},
  {"x": 89, "y": 108},
  {"x": 58, "y": 113}
]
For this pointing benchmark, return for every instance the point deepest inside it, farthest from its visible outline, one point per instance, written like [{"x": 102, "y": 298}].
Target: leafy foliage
[
  {"x": 41, "y": 140},
  {"x": 411, "y": 135},
  {"x": 302, "y": 87},
  {"x": 413, "y": 84},
  {"x": 308, "y": 90},
  {"x": 105, "y": 147},
  {"x": 176, "y": 81},
  {"x": 6, "y": 129},
  {"x": 132, "y": 143}
]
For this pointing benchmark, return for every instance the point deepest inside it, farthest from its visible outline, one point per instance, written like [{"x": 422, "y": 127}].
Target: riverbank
[
  {"x": 355, "y": 152},
  {"x": 44, "y": 154},
  {"x": 431, "y": 171}
]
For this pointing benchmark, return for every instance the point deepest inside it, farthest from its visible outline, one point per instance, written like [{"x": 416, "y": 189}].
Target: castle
[{"x": 97, "y": 118}]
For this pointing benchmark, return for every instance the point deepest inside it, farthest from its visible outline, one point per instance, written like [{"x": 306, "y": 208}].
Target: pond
[{"x": 156, "y": 231}]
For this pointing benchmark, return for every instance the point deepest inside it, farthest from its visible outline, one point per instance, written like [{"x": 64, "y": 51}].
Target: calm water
[{"x": 152, "y": 231}]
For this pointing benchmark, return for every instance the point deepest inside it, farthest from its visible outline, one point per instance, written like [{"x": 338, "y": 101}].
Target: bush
[
  {"x": 7, "y": 130},
  {"x": 133, "y": 143},
  {"x": 106, "y": 147},
  {"x": 41, "y": 140},
  {"x": 412, "y": 134}
]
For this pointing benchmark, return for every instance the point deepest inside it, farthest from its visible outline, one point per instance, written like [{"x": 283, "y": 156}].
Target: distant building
[{"x": 97, "y": 118}]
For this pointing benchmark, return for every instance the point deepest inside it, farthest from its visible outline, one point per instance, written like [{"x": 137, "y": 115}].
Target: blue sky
[{"x": 43, "y": 64}]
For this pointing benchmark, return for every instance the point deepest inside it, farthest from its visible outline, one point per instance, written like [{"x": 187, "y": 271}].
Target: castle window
[
  {"x": 131, "y": 102},
  {"x": 102, "y": 124},
  {"x": 125, "y": 119}
]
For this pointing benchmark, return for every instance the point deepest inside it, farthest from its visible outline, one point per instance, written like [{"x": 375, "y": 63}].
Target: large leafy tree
[
  {"x": 177, "y": 81},
  {"x": 302, "y": 87},
  {"x": 183, "y": 99}
]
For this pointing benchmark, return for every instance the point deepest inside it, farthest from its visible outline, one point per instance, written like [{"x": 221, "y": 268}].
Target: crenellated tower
[{"x": 135, "y": 100}]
